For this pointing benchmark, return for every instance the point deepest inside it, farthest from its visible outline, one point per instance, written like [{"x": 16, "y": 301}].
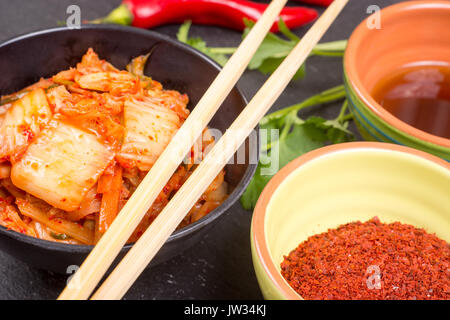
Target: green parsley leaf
[
  {"x": 274, "y": 49},
  {"x": 199, "y": 44},
  {"x": 271, "y": 52},
  {"x": 296, "y": 137},
  {"x": 254, "y": 188}
]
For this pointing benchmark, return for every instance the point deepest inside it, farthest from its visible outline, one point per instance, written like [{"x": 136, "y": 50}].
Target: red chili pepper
[
  {"x": 230, "y": 13},
  {"x": 317, "y": 2}
]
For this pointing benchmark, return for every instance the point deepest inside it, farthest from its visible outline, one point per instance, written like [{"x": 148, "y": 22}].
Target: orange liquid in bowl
[{"x": 419, "y": 96}]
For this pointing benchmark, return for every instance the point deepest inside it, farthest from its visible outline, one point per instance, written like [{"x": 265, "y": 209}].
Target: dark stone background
[{"x": 220, "y": 266}]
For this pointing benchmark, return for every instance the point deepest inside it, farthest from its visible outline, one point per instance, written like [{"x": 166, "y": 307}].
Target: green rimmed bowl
[
  {"x": 339, "y": 184},
  {"x": 410, "y": 33}
]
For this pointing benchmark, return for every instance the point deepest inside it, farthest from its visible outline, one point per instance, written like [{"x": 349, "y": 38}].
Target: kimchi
[{"x": 74, "y": 148}]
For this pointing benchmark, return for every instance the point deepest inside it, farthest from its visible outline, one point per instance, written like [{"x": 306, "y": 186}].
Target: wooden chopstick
[
  {"x": 101, "y": 257},
  {"x": 124, "y": 275}
]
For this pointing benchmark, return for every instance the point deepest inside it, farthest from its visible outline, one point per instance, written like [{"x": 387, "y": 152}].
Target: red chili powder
[{"x": 370, "y": 260}]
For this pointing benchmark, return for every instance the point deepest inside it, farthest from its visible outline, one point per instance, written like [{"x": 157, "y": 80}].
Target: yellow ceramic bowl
[{"x": 339, "y": 184}]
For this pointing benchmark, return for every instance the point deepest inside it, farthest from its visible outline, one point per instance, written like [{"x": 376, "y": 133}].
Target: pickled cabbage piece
[
  {"x": 92, "y": 63},
  {"x": 5, "y": 170},
  {"x": 171, "y": 99},
  {"x": 10, "y": 219},
  {"x": 59, "y": 98},
  {"x": 22, "y": 123},
  {"x": 41, "y": 212},
  {"x": 149, "y": 128},
  {"x": 115, "y": 82},
  {"x": 3, "y": 109},
  {"x": 62, "y": 165}
]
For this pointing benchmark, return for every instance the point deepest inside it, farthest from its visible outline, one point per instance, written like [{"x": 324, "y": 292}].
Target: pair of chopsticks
[{"x": 123, "y": 276}]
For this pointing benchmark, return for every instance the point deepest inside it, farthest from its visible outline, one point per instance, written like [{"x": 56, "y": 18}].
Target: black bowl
[{"x": 25, "y": 59}]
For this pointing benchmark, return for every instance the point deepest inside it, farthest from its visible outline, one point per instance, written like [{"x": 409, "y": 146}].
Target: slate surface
[{"x": 220, "y": 266}]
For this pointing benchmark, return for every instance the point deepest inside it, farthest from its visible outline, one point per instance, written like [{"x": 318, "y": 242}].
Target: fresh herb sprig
[
  {"x": 296, "y": 137},
  {"x": 271, "y": 52},
  {"x": 217, "y": 54}
]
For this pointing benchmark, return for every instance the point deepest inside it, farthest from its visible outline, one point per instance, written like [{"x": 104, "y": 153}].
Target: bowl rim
[
  {"x": 185, "y": 231},
  {"x": 350, "y": 69},
  {"x": 259, "y": 215}
]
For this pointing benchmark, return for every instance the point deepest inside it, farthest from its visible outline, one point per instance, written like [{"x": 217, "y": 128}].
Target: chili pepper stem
[{"x": 120, "y": 15}]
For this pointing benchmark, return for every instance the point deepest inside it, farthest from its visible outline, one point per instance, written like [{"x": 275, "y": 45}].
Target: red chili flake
[
  {"x": 127, "y": 164},
  {"x": 7, "y": 200},
  {"x": 370, "y": 260},
  {"x": 28, "y": 133}
]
